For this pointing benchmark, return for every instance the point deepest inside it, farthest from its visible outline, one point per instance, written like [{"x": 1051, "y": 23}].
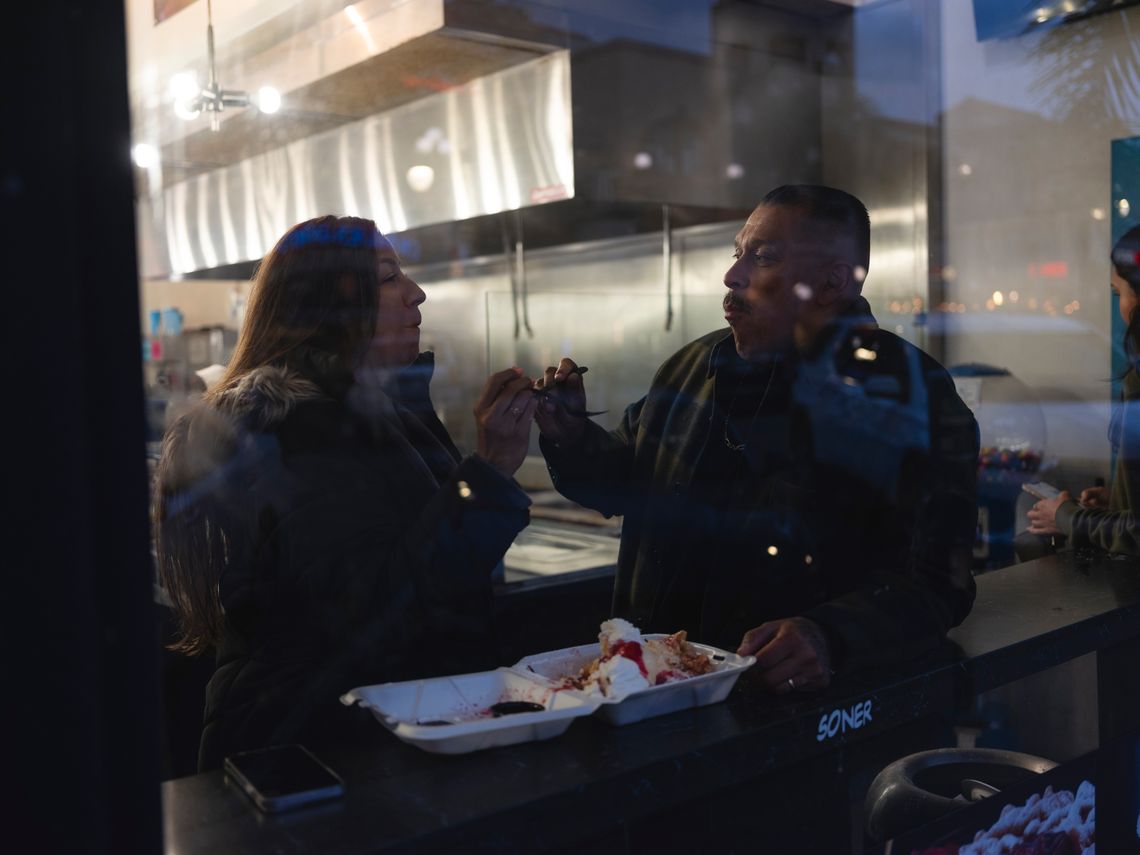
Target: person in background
[
  {"x": 316, "y": 528},
  {"x": 800, "y": 486},
  {"x": 1099, "y": 518}
]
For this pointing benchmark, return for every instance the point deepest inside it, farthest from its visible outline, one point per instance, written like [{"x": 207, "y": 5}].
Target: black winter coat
[
  {"x": 359, "y": 549},
  {"x": 852, "y": 502}
]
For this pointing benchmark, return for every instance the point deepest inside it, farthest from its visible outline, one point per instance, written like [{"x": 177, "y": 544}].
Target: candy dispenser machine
[{"x": 1012, "y": 428}]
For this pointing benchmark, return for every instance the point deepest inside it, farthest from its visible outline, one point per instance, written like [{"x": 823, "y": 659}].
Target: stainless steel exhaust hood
[
  {"x": 496, "y": 143},
  {"x": 621, "y": 122}
]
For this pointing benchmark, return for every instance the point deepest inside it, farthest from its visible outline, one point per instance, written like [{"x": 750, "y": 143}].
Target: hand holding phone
[
  {"x": 283, "y": 777},
  {"x": 1041, "y": 490}
]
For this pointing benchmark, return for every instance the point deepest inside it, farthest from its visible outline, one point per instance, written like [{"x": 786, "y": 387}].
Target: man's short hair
[{"x": 831, "y": 207}]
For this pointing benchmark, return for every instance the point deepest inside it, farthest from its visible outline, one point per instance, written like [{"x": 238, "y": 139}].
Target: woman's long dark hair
[
  {"x": 317, "y": 290},
  {"x": 313, "y": 310},
  {"x": 1126, "y": 263}
]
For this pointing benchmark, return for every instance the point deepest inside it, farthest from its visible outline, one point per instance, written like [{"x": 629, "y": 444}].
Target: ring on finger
[{"x": 518, "y": 411}]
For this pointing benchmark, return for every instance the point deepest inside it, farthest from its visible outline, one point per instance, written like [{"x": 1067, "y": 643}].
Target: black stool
[{"x": 926, "y": 786}]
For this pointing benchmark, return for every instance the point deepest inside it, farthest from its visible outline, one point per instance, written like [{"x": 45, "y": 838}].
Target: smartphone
[
  {"x": 1041, "y": 490},
  {"x": 283, "y": 777}
]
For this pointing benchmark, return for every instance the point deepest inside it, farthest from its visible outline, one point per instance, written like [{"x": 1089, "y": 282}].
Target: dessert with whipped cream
[
  {"x": 1050, "y": 823},
  {"x": 630, "y": 662}
]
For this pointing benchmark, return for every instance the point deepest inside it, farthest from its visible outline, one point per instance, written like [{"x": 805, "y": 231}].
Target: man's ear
[{"x": 836, "y": 282}]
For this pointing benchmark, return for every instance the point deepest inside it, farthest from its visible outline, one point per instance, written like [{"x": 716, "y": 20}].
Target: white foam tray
[
  {"x": 552, "y": 668},
  {"x": 464, "y": 700}
]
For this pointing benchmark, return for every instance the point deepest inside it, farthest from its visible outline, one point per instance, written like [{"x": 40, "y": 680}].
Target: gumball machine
[{"x": 1012, "y": 428}]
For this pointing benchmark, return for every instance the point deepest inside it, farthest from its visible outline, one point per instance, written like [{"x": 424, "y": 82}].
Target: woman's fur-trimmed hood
[{"x": 267, "y": 395}]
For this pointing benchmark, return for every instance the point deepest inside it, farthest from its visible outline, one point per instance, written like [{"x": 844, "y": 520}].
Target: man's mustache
[{"x": 736, "y": 304}]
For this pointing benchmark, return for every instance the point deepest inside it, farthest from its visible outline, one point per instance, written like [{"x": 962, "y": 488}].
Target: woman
[
  {"x": 315, "y": 525},
  {"x": 1108, "y": 521}
]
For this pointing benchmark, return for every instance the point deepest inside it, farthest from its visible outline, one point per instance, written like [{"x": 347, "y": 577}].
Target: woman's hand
[
  {"x": 1093, "y": 497},
  {"x": 503, "y": 415},
  {"x": 1043, "y": 515},
  {"x": 553, "y": 419}
]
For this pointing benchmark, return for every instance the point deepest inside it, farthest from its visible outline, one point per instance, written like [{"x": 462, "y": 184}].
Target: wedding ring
[
  {"x": 516, "y": 410},
  {"x": 791, "y": 684}
]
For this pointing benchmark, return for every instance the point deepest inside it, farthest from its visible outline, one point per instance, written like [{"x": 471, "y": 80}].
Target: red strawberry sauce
[{"x": 631, "y": 650}]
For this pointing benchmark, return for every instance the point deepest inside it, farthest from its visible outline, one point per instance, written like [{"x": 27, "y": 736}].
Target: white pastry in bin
[
  {"x": 627, "y": 707},
  {"x": 460, "y": 706}
]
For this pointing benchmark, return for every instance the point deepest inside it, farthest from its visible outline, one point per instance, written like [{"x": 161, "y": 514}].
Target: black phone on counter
[{"x": 283, "y": 777}]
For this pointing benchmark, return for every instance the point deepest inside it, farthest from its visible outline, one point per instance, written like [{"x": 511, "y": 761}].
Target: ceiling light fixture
[
  {"x": 145, "y": 155},
  {"x": 184, "y": 86},
  {"x": 268, "y": 99},
  {"x": 190, "y": 101}
]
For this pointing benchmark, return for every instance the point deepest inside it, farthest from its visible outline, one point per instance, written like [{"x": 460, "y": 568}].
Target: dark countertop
[
  {"x": 1032, "y": 616},
  {"x": 399, "y": 799}
]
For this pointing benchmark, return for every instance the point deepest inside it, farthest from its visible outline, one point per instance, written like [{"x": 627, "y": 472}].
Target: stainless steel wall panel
[{"x": 601, "y": 302}]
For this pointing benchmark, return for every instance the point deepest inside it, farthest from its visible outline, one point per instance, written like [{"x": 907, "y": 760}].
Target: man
[{"x": 801, "y": 486}]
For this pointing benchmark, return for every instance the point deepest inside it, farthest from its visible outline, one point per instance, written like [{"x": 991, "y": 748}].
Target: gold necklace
[{"x": 739, "y": 446}]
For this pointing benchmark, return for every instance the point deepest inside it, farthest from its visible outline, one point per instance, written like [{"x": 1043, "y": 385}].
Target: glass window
[{"x": 566, "y": 178}]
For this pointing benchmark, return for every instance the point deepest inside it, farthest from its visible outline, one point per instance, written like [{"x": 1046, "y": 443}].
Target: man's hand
[
  {"x": 1043, "y": 515},
  {"x": 553, "y": 419},
  {"x": 791, "y": 654}
]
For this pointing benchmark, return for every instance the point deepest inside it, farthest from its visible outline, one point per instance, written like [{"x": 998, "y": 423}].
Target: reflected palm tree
[{"x": 1090, "y": 70}]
